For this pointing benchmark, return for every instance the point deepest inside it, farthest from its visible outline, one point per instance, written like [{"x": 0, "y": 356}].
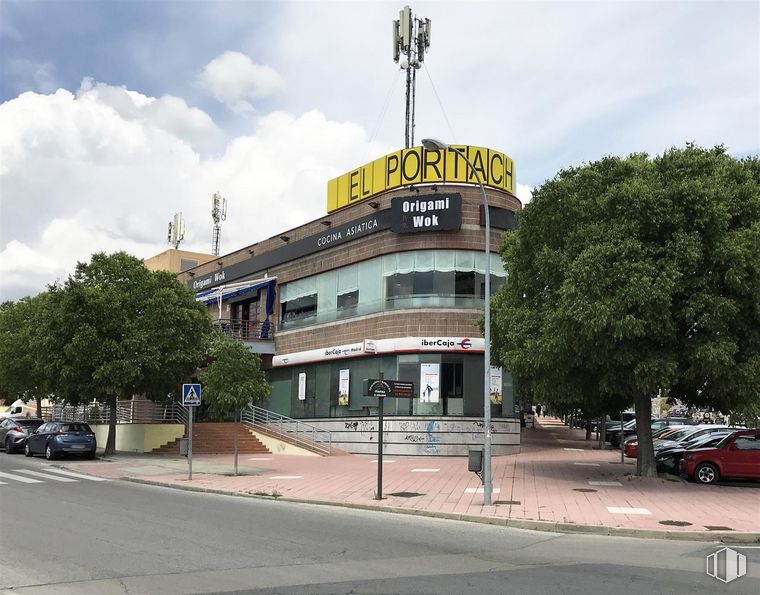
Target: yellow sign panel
[{"x": 420, "y": 166}]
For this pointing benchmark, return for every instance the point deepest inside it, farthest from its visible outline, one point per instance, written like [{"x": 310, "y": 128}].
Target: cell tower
[
  {"x": 411, "y": 39},
  {"x": 176, "y": 230},
  {"x": 218, "y": 214}
]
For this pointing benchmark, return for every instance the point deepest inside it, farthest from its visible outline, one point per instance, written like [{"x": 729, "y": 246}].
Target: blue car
[{"x": 57, "y": 438}]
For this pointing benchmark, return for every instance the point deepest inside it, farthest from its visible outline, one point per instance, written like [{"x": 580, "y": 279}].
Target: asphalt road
[{"x": 87, "y": 537}]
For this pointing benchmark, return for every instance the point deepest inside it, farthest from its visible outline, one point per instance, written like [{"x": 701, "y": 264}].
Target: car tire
[
  {"x": 27, "y": 450},
  {"x": 706, "y": 473},
  {"x": 8, "y": 447},
  {"x": 49, "y": 454},
  {"x": 90, "y": 455}
]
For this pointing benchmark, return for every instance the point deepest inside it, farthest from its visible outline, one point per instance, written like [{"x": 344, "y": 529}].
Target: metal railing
[
  {"x": 290, "y": 430},
  {"x": 127, "y": 412},
  {"x": 246, "y": 330}
]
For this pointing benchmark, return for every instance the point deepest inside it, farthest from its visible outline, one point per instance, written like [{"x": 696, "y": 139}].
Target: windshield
[
  {"x": 723, "y": 441},
  {"x": 29, "y": 423},
  {"x": 75, "y": 428},
  {"x": 680, "y": 434}
]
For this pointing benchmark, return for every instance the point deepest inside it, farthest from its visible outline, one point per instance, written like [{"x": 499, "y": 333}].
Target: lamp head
[{"x": 433, "y": 144}]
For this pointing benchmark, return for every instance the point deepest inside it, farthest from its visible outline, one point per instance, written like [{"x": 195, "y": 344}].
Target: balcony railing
[{"x": 246, "y": 330}]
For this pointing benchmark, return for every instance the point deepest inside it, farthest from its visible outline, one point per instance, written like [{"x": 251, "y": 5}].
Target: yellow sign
[{"x": 420, "y": 166}]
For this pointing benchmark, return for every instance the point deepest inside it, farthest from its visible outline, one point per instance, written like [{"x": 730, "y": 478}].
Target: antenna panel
[
  {"x": 405, "y": 27},
  {"x": 396, "y": 42}
]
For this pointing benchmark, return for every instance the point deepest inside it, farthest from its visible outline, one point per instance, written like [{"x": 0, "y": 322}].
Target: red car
[{"x": 738, "y": 455}]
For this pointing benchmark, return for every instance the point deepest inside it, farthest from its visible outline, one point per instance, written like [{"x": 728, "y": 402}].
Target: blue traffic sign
[{"x": 191, "y": 395}]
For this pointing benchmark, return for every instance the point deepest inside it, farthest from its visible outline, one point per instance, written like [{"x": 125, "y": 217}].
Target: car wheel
[
  {"x": 27, "y": 450},
  {"x": 90, "y": 455},
  {"x": 49, "y": 454},
  {"x": 8, "y": 447},
  {"x": 706, "y": 473}
]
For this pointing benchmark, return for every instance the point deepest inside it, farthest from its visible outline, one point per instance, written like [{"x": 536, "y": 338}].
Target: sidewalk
[{"x": 559, "y": 482}]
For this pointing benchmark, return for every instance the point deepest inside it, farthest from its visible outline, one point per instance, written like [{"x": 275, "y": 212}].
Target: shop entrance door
[{"x": 451, "y": 388}]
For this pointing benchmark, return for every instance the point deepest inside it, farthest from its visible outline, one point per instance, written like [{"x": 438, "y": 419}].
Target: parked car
[
  {"x": 694, "y": 432},
  {"x": 57, "y": 438},
  {"x": 737, "y": 455},
  {"x": 669, "y": 459},
  {"x": 18, "y": 409},
  {"x": 659, "y": 431},
  {"x": 14, "y": 431}
]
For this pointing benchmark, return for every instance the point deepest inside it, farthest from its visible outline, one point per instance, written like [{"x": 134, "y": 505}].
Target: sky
[{"x": 115, "y": 114}]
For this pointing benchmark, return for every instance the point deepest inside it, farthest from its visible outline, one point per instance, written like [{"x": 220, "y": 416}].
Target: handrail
[
  {"x": 246, "y": 330},
  {"x": 132, "y": 411},
  {"x": 292, "y": 430}
]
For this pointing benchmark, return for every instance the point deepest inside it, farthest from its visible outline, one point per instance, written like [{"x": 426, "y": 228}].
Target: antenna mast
[
  {"x": 176, "y": 230},
  {"x": 218, "y": 214},
  {"x": 411, "y": 39}
]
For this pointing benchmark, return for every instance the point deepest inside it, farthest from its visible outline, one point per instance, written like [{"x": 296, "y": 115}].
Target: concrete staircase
[{"x": 217, "y": 438}]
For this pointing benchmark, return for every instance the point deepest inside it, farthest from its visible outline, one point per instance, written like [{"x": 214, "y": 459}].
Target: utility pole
[{"x": 411, "y": 39}]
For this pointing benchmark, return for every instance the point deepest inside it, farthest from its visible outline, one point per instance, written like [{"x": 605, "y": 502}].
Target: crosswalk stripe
[
  {"x": 77, "y": 475},
  {"x": 43, "y": 475},
  {"x": 3, "y": 483},
  {"x": 19, "y": 478}
]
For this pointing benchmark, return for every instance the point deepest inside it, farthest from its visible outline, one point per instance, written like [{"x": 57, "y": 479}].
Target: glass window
[{"x": 422, "y": 278}]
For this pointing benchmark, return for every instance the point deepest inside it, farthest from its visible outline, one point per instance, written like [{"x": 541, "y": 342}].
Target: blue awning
[{"x": 231, "y": 290}]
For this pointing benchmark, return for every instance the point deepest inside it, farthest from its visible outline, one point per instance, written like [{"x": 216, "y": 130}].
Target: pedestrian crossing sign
[{"x": 191, "y": 395}]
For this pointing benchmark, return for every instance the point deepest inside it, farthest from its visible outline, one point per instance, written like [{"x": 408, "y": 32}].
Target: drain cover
[
  {"x": 406, "y": 494},
  {"x": 507, "y": 502},
  {"x": 676, "y": 523},
  {"x": 584, "y": 490},
  {"x": 717, "y": 528}
]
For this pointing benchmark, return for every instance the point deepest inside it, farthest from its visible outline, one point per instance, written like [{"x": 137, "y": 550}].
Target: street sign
[
  {"x": 390, "y": 388},
  {"x": 191, "y": 395}
]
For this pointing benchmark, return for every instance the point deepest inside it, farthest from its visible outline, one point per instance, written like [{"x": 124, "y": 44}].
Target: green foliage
[
  {"x": 23, "y": 359},
  {"x": 630, "y": 275},
  {"x": 234, "y": 377},
  {"x": 122, "y": 330}
]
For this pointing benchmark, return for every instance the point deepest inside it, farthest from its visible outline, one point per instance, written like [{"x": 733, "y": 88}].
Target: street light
[{"x": 432, "y": 144}]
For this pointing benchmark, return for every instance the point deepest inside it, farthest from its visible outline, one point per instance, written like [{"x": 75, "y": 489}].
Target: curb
[{"x": 730, "y": 537}]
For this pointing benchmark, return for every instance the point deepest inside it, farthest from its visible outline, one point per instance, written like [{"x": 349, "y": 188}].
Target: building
[
  {"x": 176, "y": 261},
  {"x": 391, "y": 282}
]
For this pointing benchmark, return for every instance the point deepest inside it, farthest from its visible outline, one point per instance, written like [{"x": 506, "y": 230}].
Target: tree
[
  {"x": 122, "y": 330},
  {"x": 22, "y": 349},
  {"x": 232, "y": 380},
  {"x": 631, "y": 275}
]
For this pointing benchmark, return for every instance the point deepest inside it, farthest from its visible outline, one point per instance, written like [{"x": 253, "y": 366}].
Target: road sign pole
[
  {"x": 380, "y": 451},
  {"x": 190, "y": 443}
]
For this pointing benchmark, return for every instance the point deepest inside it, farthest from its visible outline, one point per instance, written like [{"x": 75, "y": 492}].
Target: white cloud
[
  {"x": 524, "y": 193},
  {"x": 100, "y": 171},
  {"x": 234, "y": 79}
]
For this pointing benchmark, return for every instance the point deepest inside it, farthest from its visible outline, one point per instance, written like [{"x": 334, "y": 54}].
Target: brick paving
[{"x": 541, "y": 483}]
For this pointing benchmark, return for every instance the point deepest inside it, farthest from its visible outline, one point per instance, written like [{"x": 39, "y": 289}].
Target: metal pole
[
  {"x": 487, "y": 482},
  {"x": 190, "y": 443},
  {"x": 622, "y": 442},
  {"x": 380, "y": 447}
]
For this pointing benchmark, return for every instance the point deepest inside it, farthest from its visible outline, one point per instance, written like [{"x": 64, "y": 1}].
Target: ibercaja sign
[{"x": 426, "y": 212}]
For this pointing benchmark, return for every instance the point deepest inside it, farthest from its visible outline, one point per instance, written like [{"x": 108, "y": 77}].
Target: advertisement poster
[
  {"x": 429, "y": 382},
  {"x": 343, "y": 388},
  {"x": 302, "y": 386},
  {"x": 495, "y": 386}
]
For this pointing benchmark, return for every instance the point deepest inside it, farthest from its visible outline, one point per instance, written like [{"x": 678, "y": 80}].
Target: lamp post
[{"x": 432, "y": 144}]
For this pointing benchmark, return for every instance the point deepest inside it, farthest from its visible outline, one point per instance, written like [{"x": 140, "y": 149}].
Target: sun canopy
[{"x": 225, "y": 292}]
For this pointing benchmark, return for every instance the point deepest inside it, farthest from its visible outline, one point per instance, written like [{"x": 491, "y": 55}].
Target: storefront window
[{"x": 416, "y": 279}]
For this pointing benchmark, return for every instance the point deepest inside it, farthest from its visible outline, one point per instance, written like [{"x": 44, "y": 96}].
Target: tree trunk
[
  {"x": 111, "y": 440},
  {"x": 645, "y": 465},
  {"x": 38, "y": 401},
  {"x": 237, "y": 417},
  {"x": 602, "y": 433},
  {"x": 588, "y": 428}
]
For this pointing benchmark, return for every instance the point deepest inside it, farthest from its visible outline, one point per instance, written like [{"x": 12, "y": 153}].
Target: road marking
[
  {"x": 44, "y": 476},
  {"x": 627, "y": 510},
  {"x": 605, "y": 483},
  {"x": 286, "y": 477},
  {"x": 261, "y": 459},
  {"x": 587, "y": 464},
  {"x": 574, "y": 449},
  {"x": 77, "y": 475},
  {"x": 3, "y": 483},
  {"x": 384, "y": 461},
  {"x": 425, "y": 470},
  {"x": 480, "y": 490},
  {"x": 20, "y": 478}
]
